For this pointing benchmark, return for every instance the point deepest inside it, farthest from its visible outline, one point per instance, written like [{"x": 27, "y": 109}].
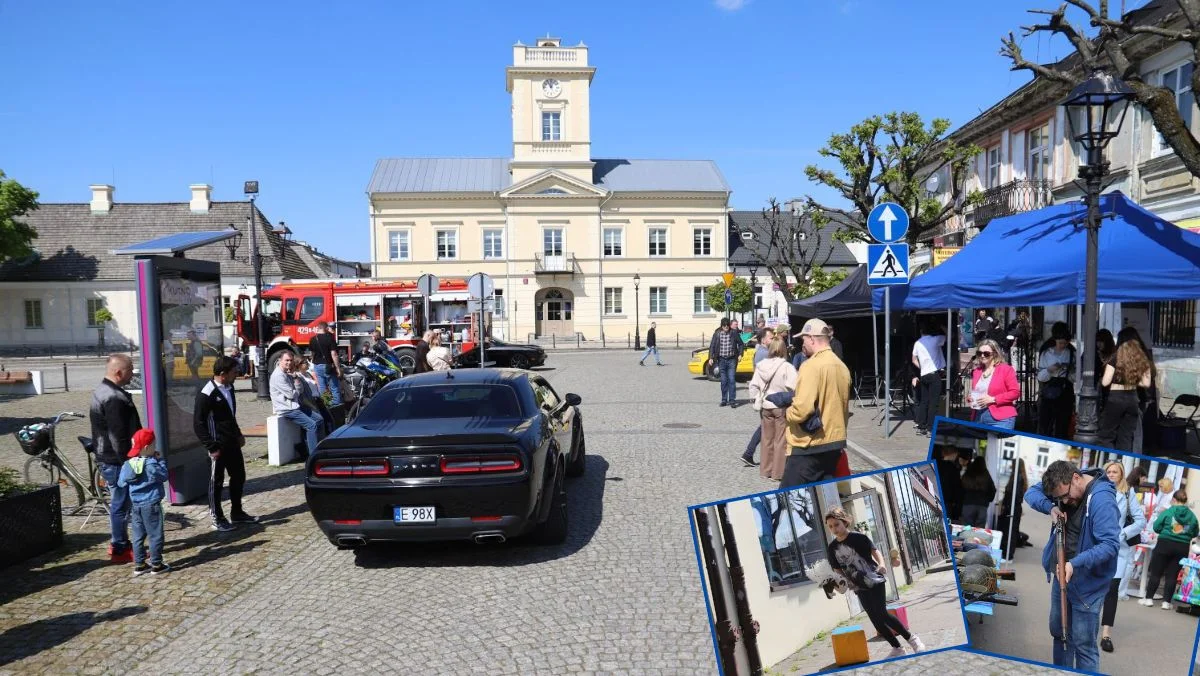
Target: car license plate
[{"x": 414, "y": 514}]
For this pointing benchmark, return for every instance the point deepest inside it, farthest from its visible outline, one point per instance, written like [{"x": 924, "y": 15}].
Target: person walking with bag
[
  {"x": 1133, "y": 520},
  {"x": 816, "y": 419},
  {"x": 1176, "y": 527},
  {"x": 859, "y": 561},
  {"x": 651, "y": 347},
  {"x": 772, "y": 375}
]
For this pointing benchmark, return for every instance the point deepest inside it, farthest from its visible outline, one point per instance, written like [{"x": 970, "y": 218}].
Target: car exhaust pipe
[
  {"x": 493, "y": 536},
  {"x": 351, "y": 541}
]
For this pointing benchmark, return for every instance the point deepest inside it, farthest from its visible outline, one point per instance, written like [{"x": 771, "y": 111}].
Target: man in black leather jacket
[{"x": 114, "y": 419}]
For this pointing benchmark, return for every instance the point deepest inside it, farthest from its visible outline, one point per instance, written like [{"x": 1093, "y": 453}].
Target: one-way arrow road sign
[
  {"x": 888, "y": 222},
  {"x": 887, "y": 264}
]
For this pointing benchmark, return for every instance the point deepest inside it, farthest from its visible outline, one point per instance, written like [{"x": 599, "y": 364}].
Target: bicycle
[{"x": 49, "y": 467}]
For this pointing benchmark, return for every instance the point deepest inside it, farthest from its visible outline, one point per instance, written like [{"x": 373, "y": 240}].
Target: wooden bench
[{"x": 21, "y": 382}]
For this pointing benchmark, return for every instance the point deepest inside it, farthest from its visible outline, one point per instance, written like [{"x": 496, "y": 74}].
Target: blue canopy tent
[{"x": 1039, "y": 258}]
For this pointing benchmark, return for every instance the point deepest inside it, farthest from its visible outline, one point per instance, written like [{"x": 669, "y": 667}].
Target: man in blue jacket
[{"x": 1087, "y": 501}]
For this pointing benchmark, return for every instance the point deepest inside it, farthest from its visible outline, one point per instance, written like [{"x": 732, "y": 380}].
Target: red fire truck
[{"x": 354, "y": 308}]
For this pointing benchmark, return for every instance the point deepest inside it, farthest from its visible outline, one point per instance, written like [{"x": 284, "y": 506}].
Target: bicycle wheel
[
  {"x": 42, "y": 471},
  {"x": 39, "y": 470}
]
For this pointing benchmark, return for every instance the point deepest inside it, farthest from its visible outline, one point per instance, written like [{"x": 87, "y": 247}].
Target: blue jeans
[
  {"x": 311, "y": 422},
  {"x": 726, "y": 368},
  {"x": 653, "y": 349},
  {"x": 327, "y": 380},
  {"x": 1081, "y": 650},
  {"x": 118, "y": 510},
  {"x": 147, "y": 524},
  {"x": 985, "y": 418}
]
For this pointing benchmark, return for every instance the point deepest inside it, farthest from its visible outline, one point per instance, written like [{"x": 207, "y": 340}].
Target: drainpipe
[
  {"x": 737, "y": 575},
  {"x": 600, "y": 258},
  {"x": 898, "y": 523},
  {"x": 717, "y": 592},
  {"x": 510, "y": 317}
]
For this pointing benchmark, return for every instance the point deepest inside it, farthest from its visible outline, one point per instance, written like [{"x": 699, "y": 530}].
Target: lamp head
[{"x": 1100, "y": 102}]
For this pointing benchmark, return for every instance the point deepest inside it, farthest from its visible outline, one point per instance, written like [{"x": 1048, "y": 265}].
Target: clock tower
[{"x": 550, "y": 87}]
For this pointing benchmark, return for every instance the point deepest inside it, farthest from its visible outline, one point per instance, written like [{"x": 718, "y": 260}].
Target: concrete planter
[{"x": 30, "y": 524}]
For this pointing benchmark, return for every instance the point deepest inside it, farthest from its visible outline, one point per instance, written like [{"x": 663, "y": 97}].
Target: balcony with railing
[
  {"x": 569, "y": 57},
  {"x": 554, "y": 264},
  {"x": 1011, "y": 198}
]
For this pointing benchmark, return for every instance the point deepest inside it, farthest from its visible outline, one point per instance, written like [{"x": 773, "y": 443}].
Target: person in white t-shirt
[{"x": 929, "y": 360}]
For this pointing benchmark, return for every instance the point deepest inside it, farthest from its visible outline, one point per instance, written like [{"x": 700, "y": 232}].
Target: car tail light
[
  {"x": 486, "y": 518},
  {"x": 480, "y": 464},
  {"x": 352, "y": 468},
  {"x": 348, "y": 522}
]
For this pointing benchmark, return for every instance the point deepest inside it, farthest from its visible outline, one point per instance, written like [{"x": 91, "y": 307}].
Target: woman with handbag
[
  {"x": 1056, "y": 401},
  {"x": 858, "y": 560},
  {"x": 772, "y": 375},
  {"x": 1133, "y": 519}
]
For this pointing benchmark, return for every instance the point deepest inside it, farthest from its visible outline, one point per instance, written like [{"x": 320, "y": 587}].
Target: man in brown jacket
[{"x": 822, "y": 387}]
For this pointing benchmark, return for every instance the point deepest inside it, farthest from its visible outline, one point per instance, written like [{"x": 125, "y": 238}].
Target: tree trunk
[{"x": 1162, "y": 107}]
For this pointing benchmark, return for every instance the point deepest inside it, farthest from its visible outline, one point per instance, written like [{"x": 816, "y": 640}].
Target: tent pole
[
  {"x": 875, "y": 340},
  {"x": 949, "y": 371},
  {"x": 887, "y": 362}
]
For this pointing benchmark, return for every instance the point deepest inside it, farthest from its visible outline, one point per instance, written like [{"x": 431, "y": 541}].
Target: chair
[
  {"x": 1171, "y": 422},
  {"x": 867, "y": 387}
]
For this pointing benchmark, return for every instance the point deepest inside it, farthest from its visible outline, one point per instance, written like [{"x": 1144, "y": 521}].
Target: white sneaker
[
  {"x": 1166, "y": 605},
  {"x": 898, "y": 651},
  {"x": 1123, "y": 597},
  {"x": 916, "y": 644},
  {"x": 1146, "y": 602}
]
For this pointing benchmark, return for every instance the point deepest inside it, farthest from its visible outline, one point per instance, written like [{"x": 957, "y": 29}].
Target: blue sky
[{"x": 305, "y": 96}]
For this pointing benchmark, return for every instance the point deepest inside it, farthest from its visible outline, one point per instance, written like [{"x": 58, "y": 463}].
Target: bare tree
[
  {"x": 789, "y": 246},
  {"x": 1114, "y": 47}
]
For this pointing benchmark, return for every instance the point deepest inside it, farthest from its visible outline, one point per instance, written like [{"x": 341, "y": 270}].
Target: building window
[
  {"x": 612, "y": 300},
  {"x": 33, "y": 314},
  {"x": 498, "y": 301},
  {"x": 551, "y": 126},
  {"x": 700, "y": 300},
  {"x": 758, "y": 297},
  {"x": 398, "y": 245},
  {"x": 658, "y": 300},
  {"x": 552, "y": 242},
  {"x": 702, "y": 242},
  {"x": 614, "y": 242},
  {"x": 447, "y": 245},
  {"x": 94, "y": 305},
  {"x": 791, "y": 535},
  {"x": 1179, "y": 81},
  {"x": 1039, "y": 153},
  {"x": 1173, "y": 324},
  {"x": 993, "y": 167},
  {"x": 658, "y": 241},
  {"x": 493, "y": 244}
]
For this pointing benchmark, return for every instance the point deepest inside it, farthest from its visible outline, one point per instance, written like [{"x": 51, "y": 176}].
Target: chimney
[
  {"x": 201, "y": 197},
  {"x": 101, "y": 198}
]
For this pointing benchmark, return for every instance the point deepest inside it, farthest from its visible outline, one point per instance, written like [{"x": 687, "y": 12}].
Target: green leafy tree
[
  {"x": 889, "y": 158},
  {"x": 16, "y": 238},
  {"x": 743, "y": 296},
  {"x": 819, "y": 280}
]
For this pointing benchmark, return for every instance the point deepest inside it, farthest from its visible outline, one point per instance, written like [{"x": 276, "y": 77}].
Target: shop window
[{"x": 791, "y": 535}]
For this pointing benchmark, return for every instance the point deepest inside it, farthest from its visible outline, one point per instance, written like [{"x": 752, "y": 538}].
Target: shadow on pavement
[
  {"x": 585, "y": 497},
  {"x": 211, "y": 538},
  {"x": 21, "y": 579},
  {"x": 213, "y": 552},
  {"x": 32, "y": 638},
  {"x": 11, "y": 425}
]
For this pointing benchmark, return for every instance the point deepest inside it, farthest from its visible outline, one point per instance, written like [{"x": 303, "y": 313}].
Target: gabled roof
[
  {"x": 432, "y": 175},
  {"x": 75, "y": 244},
  {"x": 742, "y": 252}
]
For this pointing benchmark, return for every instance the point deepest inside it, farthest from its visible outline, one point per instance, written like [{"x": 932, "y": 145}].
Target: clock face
[{"x": 551, "y": 88}]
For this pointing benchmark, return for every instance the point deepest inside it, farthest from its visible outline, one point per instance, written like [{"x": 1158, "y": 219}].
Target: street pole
[
  {"x": 637, "y": 318},
  {"x": 887, "y": 362},
  {"x": 737, "y": 580},
  {"x": 264, "y": 391},
  {"x": 1087, "y": 424}
]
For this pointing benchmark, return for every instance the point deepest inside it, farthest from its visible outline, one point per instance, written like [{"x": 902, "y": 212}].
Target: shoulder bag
[
  {"x": 757, "y": 404},
  {"x": 1136, "y": 538}
]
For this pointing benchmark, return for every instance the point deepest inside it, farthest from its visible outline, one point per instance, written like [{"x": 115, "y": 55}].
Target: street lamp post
[
  {"x": 260, "y": 350},
  {"x": 753, "y": 295},
  {"x": 1101, "y": 103},
  {"x": 637, "y": 314}
]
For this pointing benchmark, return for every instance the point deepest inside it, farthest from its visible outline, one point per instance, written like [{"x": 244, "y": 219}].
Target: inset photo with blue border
[
  {"x": 1130, "y": 561},
  {"x": 835, "y": 575}
]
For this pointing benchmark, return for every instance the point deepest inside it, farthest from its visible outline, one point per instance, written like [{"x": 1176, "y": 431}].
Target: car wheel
[
  {"x": 710, "y": 370},
  {"x": 579, "y": 460},
  {"x": 553, "y": 531},
  {"x": 519, "y": 361}
]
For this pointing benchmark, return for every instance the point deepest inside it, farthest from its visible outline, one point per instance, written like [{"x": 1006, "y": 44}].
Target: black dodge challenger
[
  {"x": 500, "y": 353},
  {"x": 477, "y": 454}
]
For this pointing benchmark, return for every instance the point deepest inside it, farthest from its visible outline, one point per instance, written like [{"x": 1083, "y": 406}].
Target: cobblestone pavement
[
  {"x": 933, "y": 610},
  {"x": 622, "y": 595}
]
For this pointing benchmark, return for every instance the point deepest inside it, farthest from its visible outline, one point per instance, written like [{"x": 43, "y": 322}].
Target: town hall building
[{"x": 575, "y": 244}]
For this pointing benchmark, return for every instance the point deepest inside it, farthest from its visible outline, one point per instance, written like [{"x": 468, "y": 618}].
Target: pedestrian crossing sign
[{"x": 887, "y": 264}]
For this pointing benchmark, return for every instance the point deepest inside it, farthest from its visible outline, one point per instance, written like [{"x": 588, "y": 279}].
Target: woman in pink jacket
[{"x": 994, "y": 387}]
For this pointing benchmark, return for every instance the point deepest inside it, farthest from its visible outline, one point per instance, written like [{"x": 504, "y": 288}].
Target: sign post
[
  {"x": 887, "y": 266},
  {"x": 481, "y": 286}
]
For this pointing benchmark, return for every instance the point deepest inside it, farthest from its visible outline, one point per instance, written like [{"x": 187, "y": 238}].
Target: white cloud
[{"x": 731, "y": 5}]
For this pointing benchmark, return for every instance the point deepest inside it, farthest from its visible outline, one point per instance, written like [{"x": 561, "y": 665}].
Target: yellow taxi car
[
  {"x": 701, "y": 365},
  {"x": 178, "y": 366}
]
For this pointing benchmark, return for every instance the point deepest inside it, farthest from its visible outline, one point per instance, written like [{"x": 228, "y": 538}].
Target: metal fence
[
  {"x": 1174, "y": 324},
  {"x": 49, "y": 351},
  {"x": 922, "y": 526}
]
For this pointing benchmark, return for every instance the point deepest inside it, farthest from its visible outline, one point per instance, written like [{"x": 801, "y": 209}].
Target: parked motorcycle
[{"x": 369, "y": 374}]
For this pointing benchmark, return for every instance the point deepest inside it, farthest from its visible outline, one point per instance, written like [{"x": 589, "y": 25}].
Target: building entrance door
[{"x": 555, "y": 309}]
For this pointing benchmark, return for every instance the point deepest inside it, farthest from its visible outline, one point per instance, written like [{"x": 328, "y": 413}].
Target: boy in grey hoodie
[{"x": 144, "y": 474}]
